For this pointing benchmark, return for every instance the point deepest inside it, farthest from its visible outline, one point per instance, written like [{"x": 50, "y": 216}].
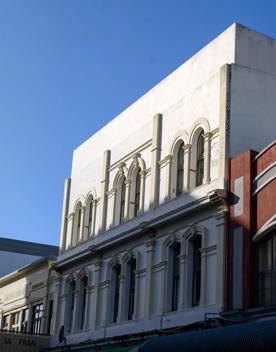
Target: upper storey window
[
  {"x": 267, "y": 270},
  {"x": 174, "y": 274},
  {"x": 114, "y": 293},
  {"x": 78, "y": 224},
  {"x": 197, "y": 156},
  {"x": 200, "y": 160},
  {"x": 137, "y": 193},
  {"x": 70, "y": 304},
  {"x": 196, "y": 270},
  {"x": 90, "y": 216},
  {"x": 122, "y": 200},
  {"x": 180, "y": 169}
]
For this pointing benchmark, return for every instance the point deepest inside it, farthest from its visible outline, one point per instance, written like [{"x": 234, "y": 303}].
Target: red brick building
[{"x": 251, "y": 244}]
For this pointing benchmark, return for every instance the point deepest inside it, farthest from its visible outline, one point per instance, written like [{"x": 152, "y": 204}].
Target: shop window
[
  {"x": 37, "y": 318},
  {"x": 267, "y": 270}
]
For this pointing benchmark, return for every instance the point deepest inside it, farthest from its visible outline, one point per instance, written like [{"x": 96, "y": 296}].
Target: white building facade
[{"x": 142, "y": 242}]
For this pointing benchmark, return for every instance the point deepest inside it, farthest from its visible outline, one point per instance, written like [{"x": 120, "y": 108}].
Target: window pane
[
  {"x": 117, "y": 273},
  {"x": 90, "y": 217},
  {"x": 137, "y": 193},
  {"x": 180, "y": 169},
  {"x": 131, "y": 288},
  {"x": 176, "y": 276},
  {"x": 122, "y": 205},
  {"x": 200, "y": 160},
  {"x": 267, "y": 270},
  {"x": 196, "y": 283}
]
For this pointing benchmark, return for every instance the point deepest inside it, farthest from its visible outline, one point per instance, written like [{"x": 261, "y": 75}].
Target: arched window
[
  {"x": 267, "y": 270},
  {"x": 79, "y": 225},
  {"x": 90, "y": 215},
  {"x": 173, "y": 276},
  {"x": 137, "y": 193},
  {"x": 200, "y": 159},
  {"x": 122, "y": 200},
  {"x": 130, "y": 285},
  {"x": 114, "y": 293},
  {"x": 83, "y": 291},
  {"x": 180, "y": 170},
  {"x": 71, "y": 304},
  {"x": 196, "y": 269}
]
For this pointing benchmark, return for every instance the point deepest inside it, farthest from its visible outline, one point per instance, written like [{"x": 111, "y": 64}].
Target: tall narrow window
[
  {"x": 115, "y": 292},
  {"x": 37, "y": 318},
  {"x": 267, "y": 270},
  {"x": 79, "y": 225},
  {"x": 25, "y": 320},
  {"x": 132, "y": 268},
  {"x": 196, "y": 272},
  {"x": 137, "y": 193},
  {"x": 83, "y": 300},
  {"x": 122, "y": 201},
  {"x": 175, "y": 276},
  {"x": 200, "y": 159},
  {"x": 15, "y": 323},
  {"x": 71, "y": 304},
  {"x": 90, "y": 214},
  {"x": 180, "y": 169},
  {"x": 5, "y": 322}
]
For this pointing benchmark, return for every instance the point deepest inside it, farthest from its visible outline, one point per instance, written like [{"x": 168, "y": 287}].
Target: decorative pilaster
[
  {"x": 182, "y": 303},
  {"x": 82, "y": 214},
  {"x": 207, "y": 157},
  {"x": 75, "y": 321},
  {"x": 59, "y": 317},
  {"x": 97, "y": 269},
  {"x": 203, "y": 277},
  {"x": 142, "y": 193},
  {"x": 136, "y": 296},
  {"x": 168, "y": 165},
  {"x": 112, "y": 204},
  {"x": 89, "y": 299},
  {"x": 163, "y": 290},
  {"x": 121, "y": 298},
  {"x": 221, "y": 225},
  {"x": 126, "y": 210},
  {"x": 69, "y": 238},
  {"x": 155, "y": 158},
  {"x": 104, "y": 189},
  {"x": 149, "y": 261},
  {"x": 65, "y": 206}
]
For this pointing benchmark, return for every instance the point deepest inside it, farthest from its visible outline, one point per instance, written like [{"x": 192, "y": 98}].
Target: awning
[{"x": 252, "y": 336}]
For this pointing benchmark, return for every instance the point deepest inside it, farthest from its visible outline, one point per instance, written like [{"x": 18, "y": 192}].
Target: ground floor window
[
  {"x": 267, "y": 270},
  {"x": 5, "y": 322},
  {"x": 37, "y": 318},
  {"x": 25, "y": 319},
  {"x": 15, "y": 324}
]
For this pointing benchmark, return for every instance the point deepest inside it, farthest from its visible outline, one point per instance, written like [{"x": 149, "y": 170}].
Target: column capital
[
  {"x": 70, "y": 216},
  {"x": 187, "y": 148},
  {"x": 207, "y": 135}
]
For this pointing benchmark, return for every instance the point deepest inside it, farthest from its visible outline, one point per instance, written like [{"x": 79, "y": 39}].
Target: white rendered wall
[
  {"x": 176, "y": 97},
  {"x": 253, "y": 109}
]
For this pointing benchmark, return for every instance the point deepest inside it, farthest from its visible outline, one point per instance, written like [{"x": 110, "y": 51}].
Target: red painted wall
[
  {"x": 265, "y": 159},
  {"x": 265, "y": 204},
  {"x": 257, "y": 210}
]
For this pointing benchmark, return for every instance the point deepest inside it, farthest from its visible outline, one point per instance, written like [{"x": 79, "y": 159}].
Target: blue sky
[{"x": 68, "y": 67}]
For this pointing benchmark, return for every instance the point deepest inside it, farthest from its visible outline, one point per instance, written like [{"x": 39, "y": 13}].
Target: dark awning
[{"x": 252, "y": 336}]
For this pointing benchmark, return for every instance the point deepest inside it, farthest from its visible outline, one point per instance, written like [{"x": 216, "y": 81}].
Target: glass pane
[
  {"x": 200, "y": 160},
  {"x": 180, "y": 169}
]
